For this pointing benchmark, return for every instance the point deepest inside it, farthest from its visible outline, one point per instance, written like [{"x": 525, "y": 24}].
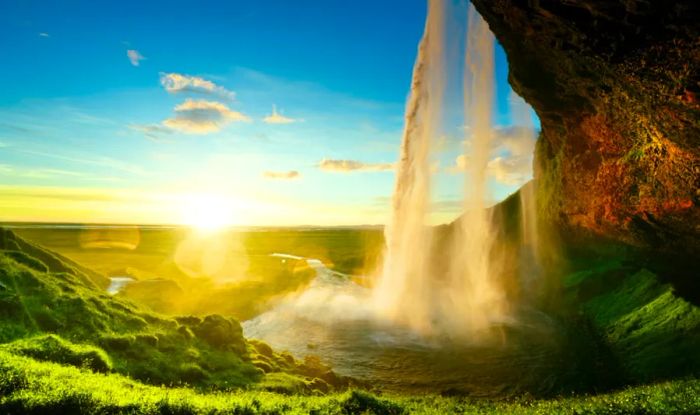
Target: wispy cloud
[
  {"x": 282, "y": 175},
  {"x": 61, "y": 193},
  {"x": 153, "y": 132},
  {"x": 44, "y": 34},
  {"x": 100, "y": 161},
  {"x": 178, "y": 83},
  {"x": 451, "y": 205},
  {"x": 7, "y": 170},
  {"x": 80, "y": 205},
  {"x": 202, "y": 117},
  {"x": 277, "y": 118},
  {"x": 135, "y": 57},
  {"x": 344, "y": 166},
  {"x": 36, "y": 173}
]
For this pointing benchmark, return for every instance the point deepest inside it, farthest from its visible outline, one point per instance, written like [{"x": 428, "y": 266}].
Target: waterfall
[
  {"x": 474, "y": 299},
  {"x": 465, "y": 298},
  {"x": 403, "y": 291}
]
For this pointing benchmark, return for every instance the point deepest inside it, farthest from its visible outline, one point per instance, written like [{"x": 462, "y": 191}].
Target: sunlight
[{"x": 208, "y": 212}]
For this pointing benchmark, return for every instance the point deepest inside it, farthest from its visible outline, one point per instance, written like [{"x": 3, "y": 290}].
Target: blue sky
[{"x": 151, "y": 112}]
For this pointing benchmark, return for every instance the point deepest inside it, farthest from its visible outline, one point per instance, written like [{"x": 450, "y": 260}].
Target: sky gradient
[{"x": 277, "y": 112}]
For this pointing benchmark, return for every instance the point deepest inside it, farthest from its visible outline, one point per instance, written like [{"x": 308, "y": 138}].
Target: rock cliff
[{"x": 616, "y": 85}]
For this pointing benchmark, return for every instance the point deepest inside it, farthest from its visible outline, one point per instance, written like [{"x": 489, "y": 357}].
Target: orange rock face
[{"x": 615, "y": 85}]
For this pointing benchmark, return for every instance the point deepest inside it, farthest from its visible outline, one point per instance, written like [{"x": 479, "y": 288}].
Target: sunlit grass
[{"x": 29, "y": 386}]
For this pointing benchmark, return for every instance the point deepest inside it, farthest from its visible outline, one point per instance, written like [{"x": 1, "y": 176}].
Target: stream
[{"x": 117, "y": 283}]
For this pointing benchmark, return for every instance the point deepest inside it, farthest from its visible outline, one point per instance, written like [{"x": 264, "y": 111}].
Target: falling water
[
  {"x": 403, "y": 292},
  {"x": 530, "y": 255},
  {"x": 408, "y": 292},
  {"x": 475, "y": 300}
]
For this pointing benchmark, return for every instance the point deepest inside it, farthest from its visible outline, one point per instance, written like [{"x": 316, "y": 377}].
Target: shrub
[
  {"x": 117, "y": 342},
  {"x": 148, "y": 339},
  {"x": 192, "y": 373},
  {"x": 362, "y": 402}
]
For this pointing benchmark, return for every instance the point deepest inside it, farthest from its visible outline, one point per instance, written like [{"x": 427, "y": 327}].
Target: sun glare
[{"x": 208, "y": 212}]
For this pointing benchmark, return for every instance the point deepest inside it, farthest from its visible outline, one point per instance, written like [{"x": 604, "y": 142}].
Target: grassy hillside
[
  {"x": 237, "y": 264},
  {"x": 30, "y": 386},
  {"x": 56, "y": 312},
  {"x": 652, "y": 331}
]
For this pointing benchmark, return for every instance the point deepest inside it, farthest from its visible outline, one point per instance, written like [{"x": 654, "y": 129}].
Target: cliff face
[{"x": 616, "y": 85}]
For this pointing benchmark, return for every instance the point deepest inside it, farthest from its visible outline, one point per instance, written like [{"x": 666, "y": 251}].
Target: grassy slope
[
  {"x": 653, "y": 332},
  {"x": 29, "y": 386},
  {"x": 90, "y": 328}
]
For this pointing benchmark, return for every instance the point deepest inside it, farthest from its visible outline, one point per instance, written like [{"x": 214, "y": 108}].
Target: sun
[{"x": 208, "y": 212}]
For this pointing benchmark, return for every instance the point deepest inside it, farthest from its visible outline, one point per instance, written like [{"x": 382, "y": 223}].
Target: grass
[
  {"x": 53, "y": 348},
  {"x": 64, "y": 317},
  {"x": 34, "y": 387},
  {"x": 653, "y": 332}
]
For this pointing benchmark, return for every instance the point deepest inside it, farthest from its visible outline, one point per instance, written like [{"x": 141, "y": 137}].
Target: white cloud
[
  {"x": 282, "y": 175},
  {"x": 277, "y": 118},
  {"x": 176, "y": 83},
  {"x": 44, "y": 34},
  {"x": 512, "y": 171},
  {"x": 512, "y": 150},
  {"x": 343, "y": 166},
  {"x": 202, "y": 117},
  {"x": 134, "y": 56}
]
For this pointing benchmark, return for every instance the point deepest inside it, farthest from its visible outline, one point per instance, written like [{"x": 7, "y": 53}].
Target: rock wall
[{"x": 616, "y": 85}]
